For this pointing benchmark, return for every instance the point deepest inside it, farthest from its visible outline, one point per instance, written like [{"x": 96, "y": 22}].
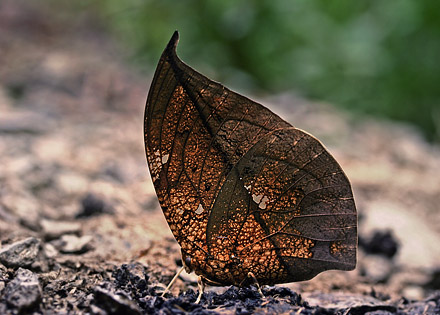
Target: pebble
[
  {"x": 93, "y": 205},
  {"x": 382, "y": 243},
  {"x": 24, "y": 291},
  {"x": 72, "y": 244},
  {"x": 112, "y": 303},
  {"x": 20, "y": 254},
  {"x": 3, "y": 277},
  {"x": 54, "y": 229},
  {"x": 413, "y": 292},
  {"x": 377, "y": 268},
  {"x": 50, "y": 250},
  {"x": 133, "y": 274},
  {"x": 24, "y": 122}
]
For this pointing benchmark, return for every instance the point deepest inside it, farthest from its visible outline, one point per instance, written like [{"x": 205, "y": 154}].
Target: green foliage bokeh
[{"x": 378, "y": 57}]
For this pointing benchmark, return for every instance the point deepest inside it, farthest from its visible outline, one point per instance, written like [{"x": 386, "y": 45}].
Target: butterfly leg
[
  {"x": 255, "y": 281},
  {"x": 201, "y": 284},
  {"x": 172, "y": 281}
]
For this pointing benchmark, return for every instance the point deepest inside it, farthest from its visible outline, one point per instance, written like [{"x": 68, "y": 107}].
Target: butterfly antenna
[{"x": 172, "y": 281}]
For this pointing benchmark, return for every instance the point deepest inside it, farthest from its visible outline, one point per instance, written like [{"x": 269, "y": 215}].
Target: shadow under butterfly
[{"x": 246, "y": 195}]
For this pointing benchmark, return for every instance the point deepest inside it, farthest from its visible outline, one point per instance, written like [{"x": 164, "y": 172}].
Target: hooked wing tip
[{"x": 172, "y": 44}]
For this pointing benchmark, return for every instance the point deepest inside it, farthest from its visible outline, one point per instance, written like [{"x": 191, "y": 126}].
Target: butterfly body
[{"x": 241, "y": 189}]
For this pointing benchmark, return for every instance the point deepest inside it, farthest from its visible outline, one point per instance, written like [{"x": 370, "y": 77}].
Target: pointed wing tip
[{"x": 172, "y": 44}]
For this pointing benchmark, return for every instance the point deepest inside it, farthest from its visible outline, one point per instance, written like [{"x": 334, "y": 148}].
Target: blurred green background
[{"x": 377, "y": 57}]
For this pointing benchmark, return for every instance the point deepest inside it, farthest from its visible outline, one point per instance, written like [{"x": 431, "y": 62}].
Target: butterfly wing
[
  {"x": 287, "y": 210},
  {"x": 241, "y": 189}
]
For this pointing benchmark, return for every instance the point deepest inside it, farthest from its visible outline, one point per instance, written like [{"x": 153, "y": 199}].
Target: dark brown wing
[{"x": 242, "y": 190}]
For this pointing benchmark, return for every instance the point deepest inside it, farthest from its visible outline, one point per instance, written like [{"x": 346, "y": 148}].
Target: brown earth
[{"x": 73, "y": 175}]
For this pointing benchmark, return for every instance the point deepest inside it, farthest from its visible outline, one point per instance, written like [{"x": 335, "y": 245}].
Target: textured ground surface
[{"x": 80, "y": 227}]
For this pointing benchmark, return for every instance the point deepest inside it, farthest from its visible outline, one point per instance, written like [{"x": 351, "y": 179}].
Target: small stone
[
  {"x": 20, "y": 254},
  {"x": 23, "y": 207},
  {"x": 72, "y": 244},
  {"x": 413, "y": 292},
  {"x": 377, "y": 268},
  {"x": 24, "y": 122},
  {"x": 134, "y": 274},
  {"x": 54, "y": 229},
  {"x": 93, "y": 205},
  {"x": 113, "y": 303},
  {"x": 382, "y": 243},
  {"x": 50, "y": 250},
  {"x": 3, "y": 277},
  {"x": 3, "y": 272},
  {"x": 70, "y": 182},
  {"x": 24, "y": 291}
]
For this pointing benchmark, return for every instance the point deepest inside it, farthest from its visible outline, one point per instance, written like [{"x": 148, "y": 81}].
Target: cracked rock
[
  {"x": 24, "y": 291},
  {"x": 20, "y": 254}
]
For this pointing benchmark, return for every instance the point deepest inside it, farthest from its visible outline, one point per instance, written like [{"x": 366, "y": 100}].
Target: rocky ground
[{"x": 80, "y": 227}]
